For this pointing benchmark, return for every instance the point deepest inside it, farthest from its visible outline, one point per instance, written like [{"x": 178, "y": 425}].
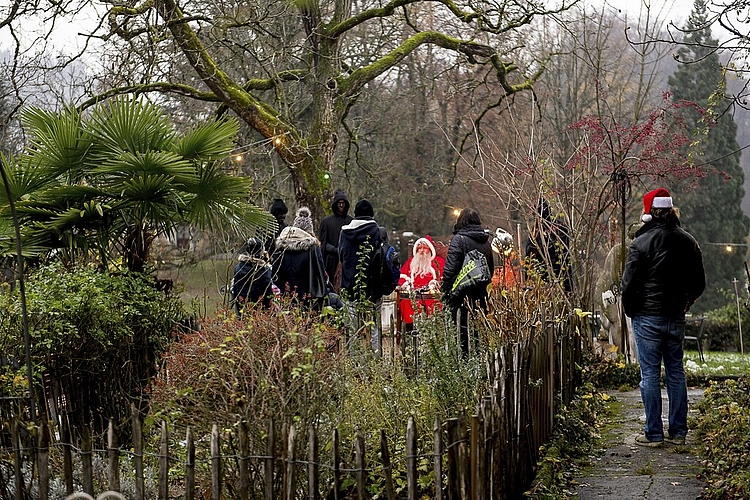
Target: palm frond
[
  {"x": 129, "y": 125},
  {"x": 209, "y": 141},
  {"x": 57, "y": 142}
]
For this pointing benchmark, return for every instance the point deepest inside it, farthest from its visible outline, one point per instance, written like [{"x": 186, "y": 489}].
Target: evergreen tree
[{"x": 711, "y": 208}]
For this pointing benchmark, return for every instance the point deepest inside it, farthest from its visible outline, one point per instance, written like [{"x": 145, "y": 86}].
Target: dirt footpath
[{"x": 628, "y": 471}]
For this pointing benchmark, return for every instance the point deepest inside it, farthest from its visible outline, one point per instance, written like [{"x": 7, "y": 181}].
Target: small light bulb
[
  {"x": 729, "y": 248},
  {"x": 277, "y": 141},
  {"x": 238, "y": 158}
]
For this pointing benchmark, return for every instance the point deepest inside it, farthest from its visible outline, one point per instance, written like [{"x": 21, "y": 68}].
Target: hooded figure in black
[
  {"x": 329, "y": 232},
  {"x": 468, "y": 235},
  {"x": 251, "y": 281},
  {"x": 547, "y": 247}
]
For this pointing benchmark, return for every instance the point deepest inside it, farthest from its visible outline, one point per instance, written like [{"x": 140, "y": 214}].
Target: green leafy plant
[
  {"x": 95, "y": 336},
  {"x": 723, "y": 427}
]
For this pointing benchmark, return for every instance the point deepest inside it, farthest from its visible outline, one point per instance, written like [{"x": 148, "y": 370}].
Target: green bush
[
  {"x": 606, "y": 373},
  {"x": 721, "y": 330},
  {"x": 723, "y": 427},
  {"x": 95, "y": 337}
]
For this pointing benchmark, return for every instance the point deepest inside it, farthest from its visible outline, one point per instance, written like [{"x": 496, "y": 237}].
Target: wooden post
[
  {"x": 453, "y": 489},
  {"x": 244, "y": 458},
  {"x": 359, "y": 457},
  {"x": 336, "y": 464},
  {"x": 86, "y": 458},
  {"x": 44, "y": 440},
  {"x": 463, "y": 457},
  {"x": 474, "y": 449},
  {"x": 289, "y": 485},
  {"x": 215, "y": 463},
  {"x": 312, "y": 465},
  {"x": 268, "y": 462},
  {"x": 411, "y": 459},
  {"x": 113, "y": 453},
  {"x": 438, "y": 459},
  {"x": 15, "y": 435},
  {"x": 67, "y": 455},
  {"x": 189, "y": 465},
  {"x": 386, "y": 457},
  {"x": 163, "y": 492},
  {"x": 138, "y": 453}
]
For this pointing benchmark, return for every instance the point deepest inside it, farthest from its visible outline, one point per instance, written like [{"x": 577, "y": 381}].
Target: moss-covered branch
[
  {"x": 353, "y": 83},
  {"x": 163, "y": 87},
  {"x": 259, "y": 115}
]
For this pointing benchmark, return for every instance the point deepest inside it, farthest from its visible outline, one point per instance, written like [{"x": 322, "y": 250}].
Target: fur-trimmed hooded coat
[{"x": 291, "y": 261}]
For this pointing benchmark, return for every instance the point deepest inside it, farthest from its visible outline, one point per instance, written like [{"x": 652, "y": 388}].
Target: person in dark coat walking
[
  {"x": 251, "y": 280},
  {"x": 293, "y": 271},
  {"x": 328, "y": 234},
  {"x": 663, "y": 277},
  {"x": 468, "y": 234},
  {"x": 357, "y": 243}
]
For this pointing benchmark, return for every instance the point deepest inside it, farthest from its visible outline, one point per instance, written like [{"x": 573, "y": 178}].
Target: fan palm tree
[{"x": 106, "y": 184}]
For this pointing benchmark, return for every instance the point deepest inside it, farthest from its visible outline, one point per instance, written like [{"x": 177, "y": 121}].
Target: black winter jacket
[
  {"x": 251, "y": 282},
  {"x": 663, "y": 272},
  {"x": 466, "y": 239},
  {"x": 329, "y": 232},
  {"x": 360, "y": 234}
]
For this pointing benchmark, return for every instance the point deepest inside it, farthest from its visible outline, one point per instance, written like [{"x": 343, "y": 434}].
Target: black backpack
[{"x": 386, "y": 267}]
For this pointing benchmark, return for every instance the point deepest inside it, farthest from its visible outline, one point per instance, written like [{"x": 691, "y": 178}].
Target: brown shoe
[{"x": 644, "y": 441}]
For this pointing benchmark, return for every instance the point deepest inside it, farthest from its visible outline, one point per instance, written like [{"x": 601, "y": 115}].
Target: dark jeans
[
  {"x": 462, "y": 314},
  {"x": 660, "y": 338}
]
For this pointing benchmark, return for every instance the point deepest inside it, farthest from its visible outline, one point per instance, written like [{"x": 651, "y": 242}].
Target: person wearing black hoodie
[
  {"x": 468, "y": 235},
  {"x": 357, "y": 243},
  {"x": 328, "y": 234}
]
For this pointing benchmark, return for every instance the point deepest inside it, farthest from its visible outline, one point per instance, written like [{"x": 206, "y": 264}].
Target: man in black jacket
[
  {"x": 328, "y": 234},
  {"x": 663, "y": 277},
  {"x": 359, "y": 283}
]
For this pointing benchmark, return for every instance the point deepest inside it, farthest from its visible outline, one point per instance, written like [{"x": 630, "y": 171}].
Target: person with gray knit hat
[
  {"x": 303, "y": 220},
  {"x": 297, "y": 263},
  {"x": 328, "y": 234}
]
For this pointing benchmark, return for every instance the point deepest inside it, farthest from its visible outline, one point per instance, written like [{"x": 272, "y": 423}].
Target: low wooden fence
[{"x": 488, "y": 455}]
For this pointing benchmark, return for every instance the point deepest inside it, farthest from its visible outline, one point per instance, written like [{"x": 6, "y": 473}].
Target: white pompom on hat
[
  {"x": 303, "y": 220},
  {"x": 658, "y": 198}
]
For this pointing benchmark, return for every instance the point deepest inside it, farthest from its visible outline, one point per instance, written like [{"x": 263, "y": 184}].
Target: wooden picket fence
[{"x": 490, "y": 454}]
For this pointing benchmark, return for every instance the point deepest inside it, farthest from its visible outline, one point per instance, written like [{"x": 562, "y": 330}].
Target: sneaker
[
  {"x": 678, "y": 440},
  {"x": 644, "y": 441}
]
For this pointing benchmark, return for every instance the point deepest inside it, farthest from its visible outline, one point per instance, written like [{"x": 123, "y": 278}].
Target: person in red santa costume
[{"x": 419, "y": 281}]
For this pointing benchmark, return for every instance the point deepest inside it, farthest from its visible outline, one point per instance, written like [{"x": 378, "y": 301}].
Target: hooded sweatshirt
[{"x": 330, "y": 230}]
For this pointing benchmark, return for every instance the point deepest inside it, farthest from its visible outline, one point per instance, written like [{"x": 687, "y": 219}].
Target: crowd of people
[
  {"x": 663, "y": 276},
  {"x": 319, "y": 268}
]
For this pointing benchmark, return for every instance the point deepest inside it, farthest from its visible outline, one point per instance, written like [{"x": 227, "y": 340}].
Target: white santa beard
[{"x": 421, "y": 264}]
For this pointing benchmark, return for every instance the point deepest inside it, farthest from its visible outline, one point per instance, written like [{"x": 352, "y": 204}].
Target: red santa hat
[
  {"x": 427, "y": 241},
  {"x": 658, "y": 198}
]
